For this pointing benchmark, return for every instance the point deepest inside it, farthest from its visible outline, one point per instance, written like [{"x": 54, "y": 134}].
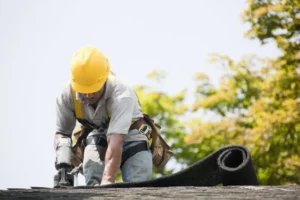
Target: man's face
[{"x": 93, "y": 98}]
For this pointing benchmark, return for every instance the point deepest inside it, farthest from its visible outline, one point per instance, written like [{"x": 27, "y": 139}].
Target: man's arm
[
  {"x": 65, "y": 123},
  {"x": 113, "y": 158},
  {"x": 121, "y": 109}
]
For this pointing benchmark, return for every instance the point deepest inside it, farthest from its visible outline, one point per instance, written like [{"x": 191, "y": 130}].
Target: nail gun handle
[{"x": 63, "y": 179}]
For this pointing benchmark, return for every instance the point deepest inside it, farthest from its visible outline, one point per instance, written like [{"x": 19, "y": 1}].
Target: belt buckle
[{"x": 145, "y": 129}]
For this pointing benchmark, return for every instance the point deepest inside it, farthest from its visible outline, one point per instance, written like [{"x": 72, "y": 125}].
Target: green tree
[{"x": 279, "y": 21}]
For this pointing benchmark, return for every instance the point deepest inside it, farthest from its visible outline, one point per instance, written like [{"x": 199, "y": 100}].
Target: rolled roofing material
[{"x": 230, "y": 165}]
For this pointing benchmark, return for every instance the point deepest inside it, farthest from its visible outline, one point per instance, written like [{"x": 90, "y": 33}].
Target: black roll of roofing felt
[{"x": 230, "y": 165}]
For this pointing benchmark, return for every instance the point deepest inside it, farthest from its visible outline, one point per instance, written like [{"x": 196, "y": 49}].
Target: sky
[{"x": 39, "y": 38}]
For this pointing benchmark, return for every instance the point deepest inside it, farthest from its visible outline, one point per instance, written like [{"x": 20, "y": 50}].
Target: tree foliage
[{"x": 257, "y": 103}]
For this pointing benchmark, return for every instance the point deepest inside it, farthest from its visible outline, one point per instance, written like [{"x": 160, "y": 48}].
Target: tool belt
[{"x": 161, "y": 151}]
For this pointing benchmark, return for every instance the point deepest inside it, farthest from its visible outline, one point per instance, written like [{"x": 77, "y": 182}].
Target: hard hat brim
[{"x": 87, "y": 89}]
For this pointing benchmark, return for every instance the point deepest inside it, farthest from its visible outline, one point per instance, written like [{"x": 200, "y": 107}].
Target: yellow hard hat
[{"x": 89, "y": 70}]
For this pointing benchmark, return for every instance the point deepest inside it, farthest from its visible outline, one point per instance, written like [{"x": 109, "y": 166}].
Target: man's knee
[{"x": 93, "y": 166}]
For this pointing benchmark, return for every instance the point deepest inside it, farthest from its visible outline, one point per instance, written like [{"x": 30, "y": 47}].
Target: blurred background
[{"x": 211, "y": 73}]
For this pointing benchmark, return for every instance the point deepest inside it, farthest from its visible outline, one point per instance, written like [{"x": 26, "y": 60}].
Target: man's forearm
[{"x": 112, "y": 159}]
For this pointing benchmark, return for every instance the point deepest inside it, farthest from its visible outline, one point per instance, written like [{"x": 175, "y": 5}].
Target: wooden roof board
[{"x": 215, "y": 192}]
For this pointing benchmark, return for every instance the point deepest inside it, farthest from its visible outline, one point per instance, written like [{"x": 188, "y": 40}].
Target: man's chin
[{"x": 90, "y": 101}]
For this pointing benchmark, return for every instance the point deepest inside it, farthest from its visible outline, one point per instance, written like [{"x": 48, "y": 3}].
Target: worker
[{"x": 117, "y": 140}]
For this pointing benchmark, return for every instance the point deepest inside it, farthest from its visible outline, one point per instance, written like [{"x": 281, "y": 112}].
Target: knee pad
[{"x": 64, "y": 151}]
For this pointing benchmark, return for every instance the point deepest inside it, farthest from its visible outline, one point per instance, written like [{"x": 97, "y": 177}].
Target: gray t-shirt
[{"x": 119, "y": 100}]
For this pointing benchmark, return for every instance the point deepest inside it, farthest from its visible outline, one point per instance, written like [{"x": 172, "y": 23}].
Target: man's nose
[{"x": 88, "y": 96}]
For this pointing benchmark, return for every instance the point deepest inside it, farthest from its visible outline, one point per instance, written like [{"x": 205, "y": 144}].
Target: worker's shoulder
[
  {"x": 65, "y": 88},
  {"x": 65, "y": 92},
  {"x": 119, "y": 88},
  {"x": 119, "y": 83}
]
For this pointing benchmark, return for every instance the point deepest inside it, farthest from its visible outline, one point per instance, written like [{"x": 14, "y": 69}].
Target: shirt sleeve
[
  {"x": 121, "y": 116},
  {"x": 65, "y": 117}
]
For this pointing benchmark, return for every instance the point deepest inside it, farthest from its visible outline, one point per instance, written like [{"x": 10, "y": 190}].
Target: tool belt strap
[
  {"x": 142, "y": 146},
  {"x": 137, "y": 124}
]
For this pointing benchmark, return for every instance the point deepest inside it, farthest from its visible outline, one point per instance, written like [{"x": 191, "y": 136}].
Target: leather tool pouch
[{"x": 161, "y": 151}]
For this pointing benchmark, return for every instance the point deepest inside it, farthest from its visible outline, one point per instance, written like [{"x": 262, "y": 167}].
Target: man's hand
[
  {"x": 113, "y": 158},
  {"x": 106, "y": 182}
]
